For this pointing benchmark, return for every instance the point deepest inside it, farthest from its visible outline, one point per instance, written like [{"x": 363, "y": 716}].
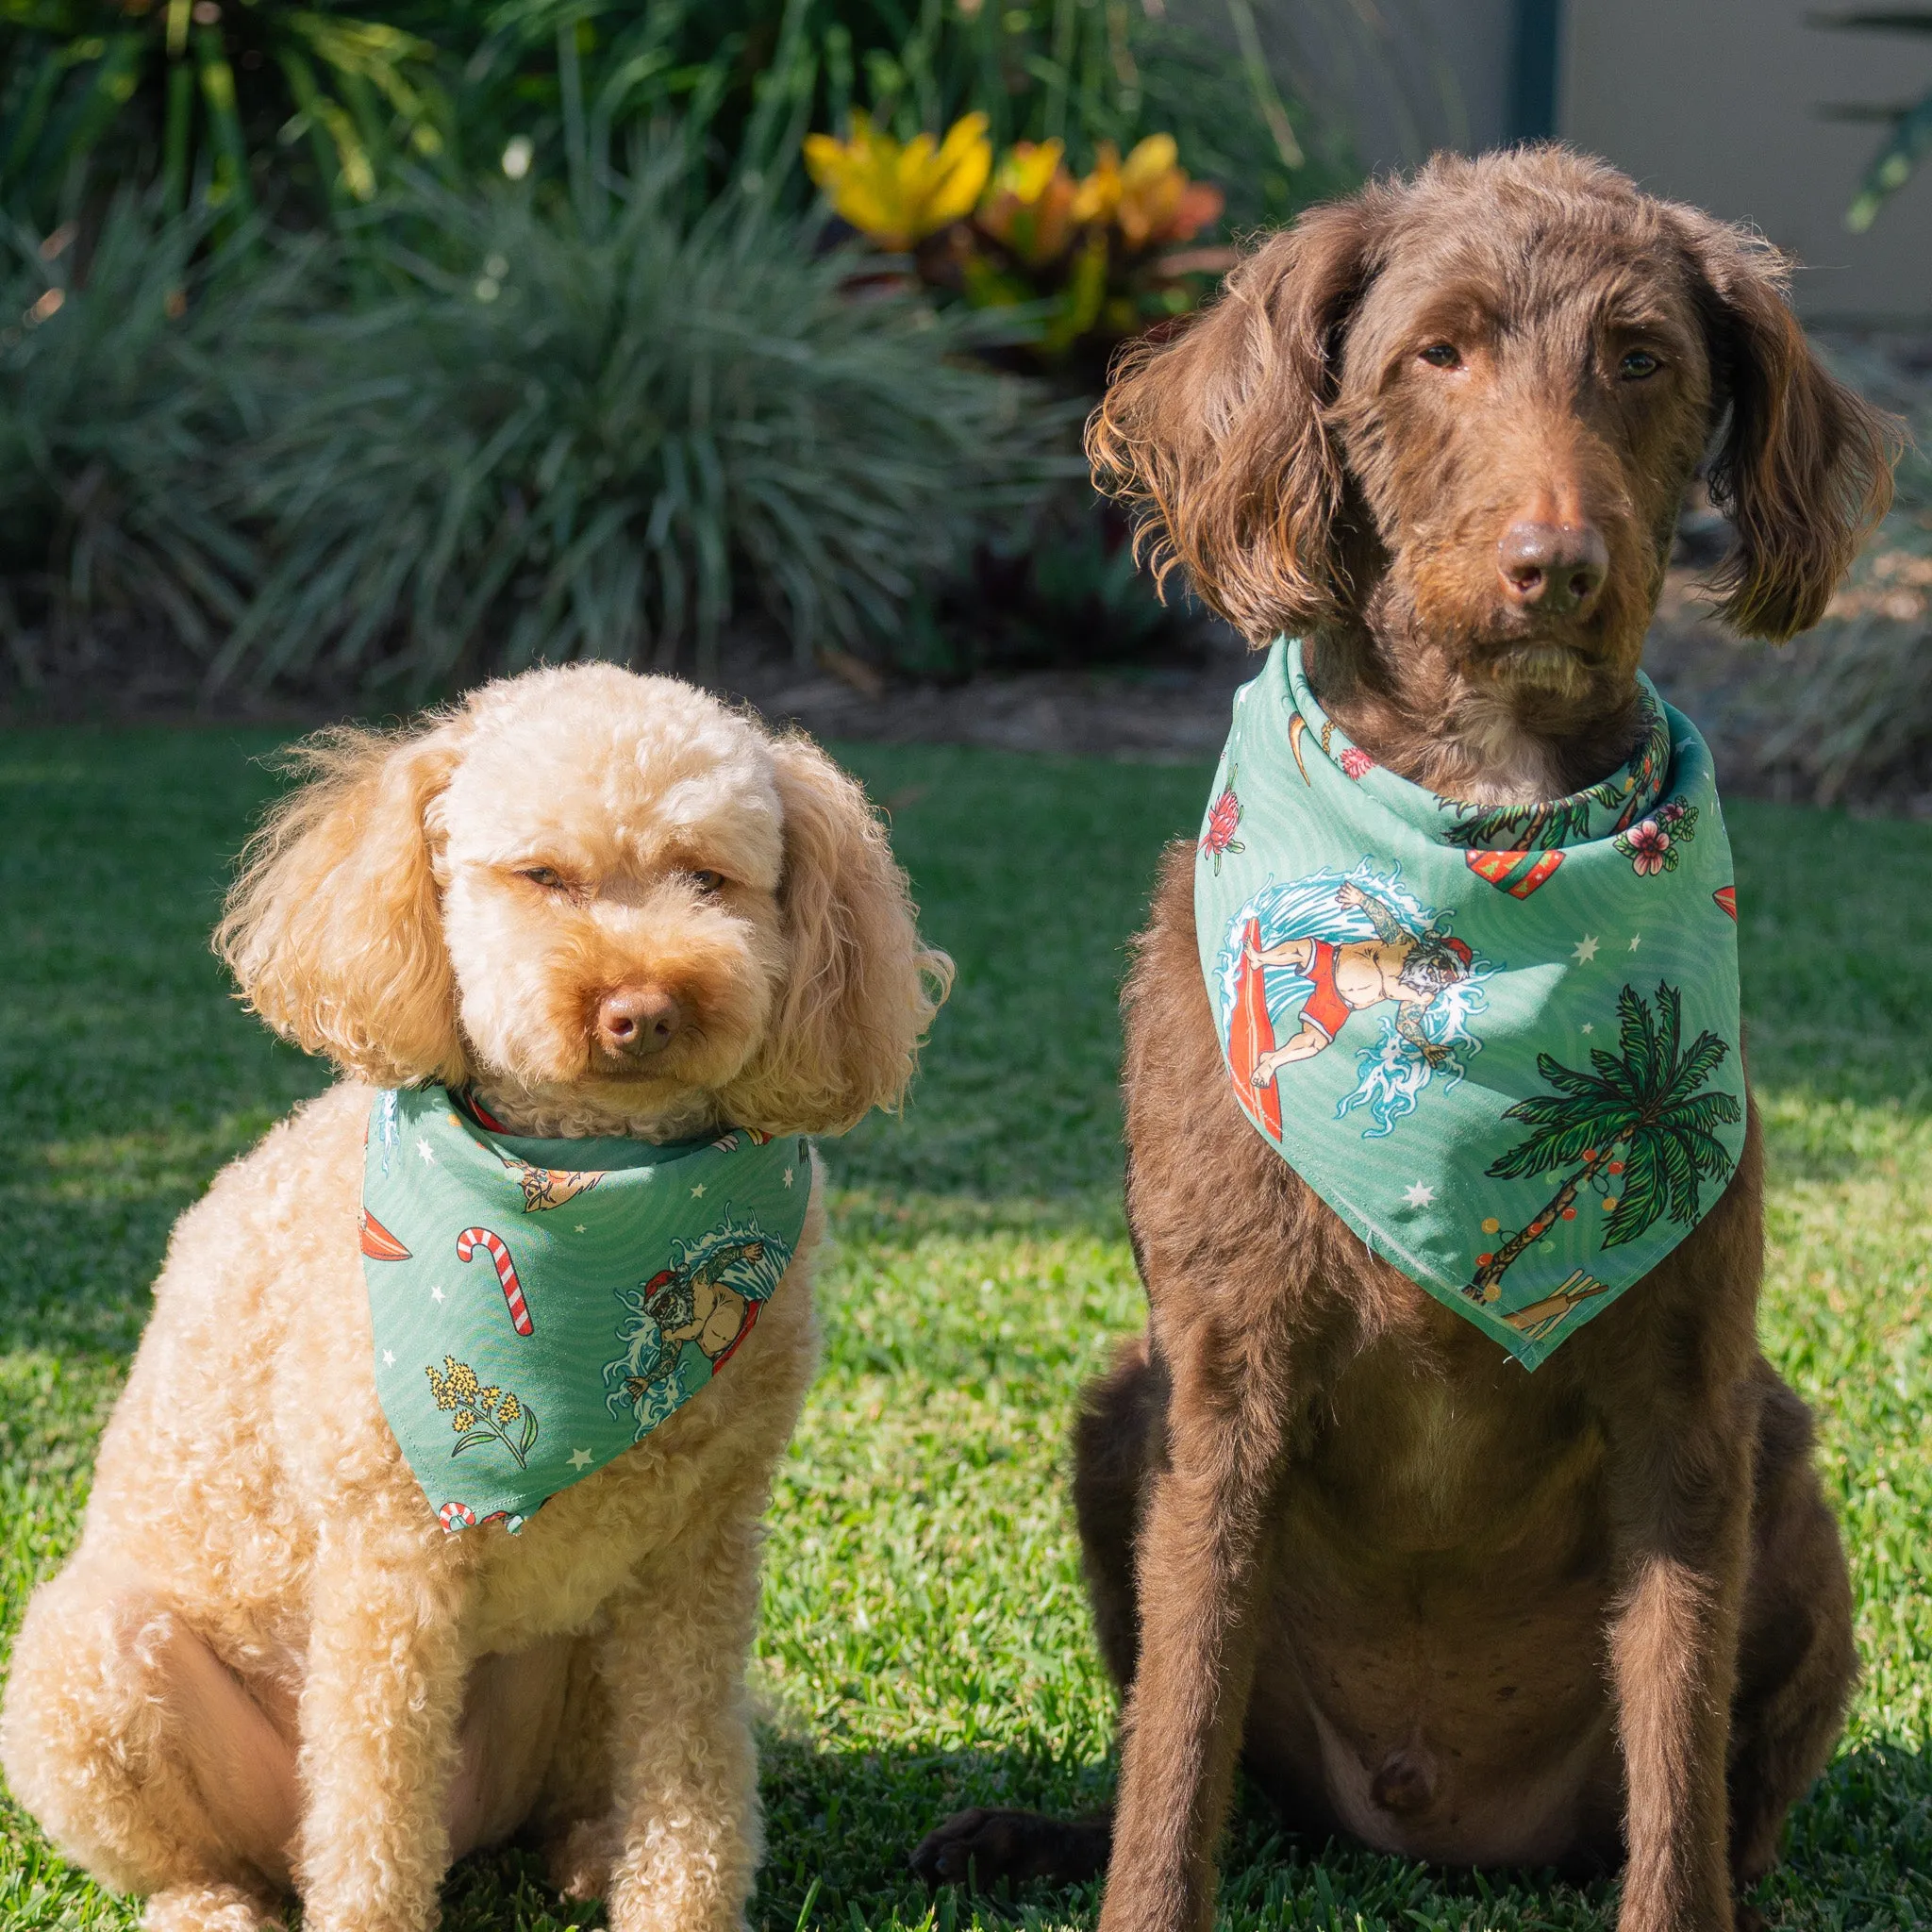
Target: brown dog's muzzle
[{"x": 1553, "y": 570}]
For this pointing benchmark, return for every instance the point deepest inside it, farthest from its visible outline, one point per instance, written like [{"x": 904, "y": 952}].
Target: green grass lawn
[{"x": 924, "y": 1640}]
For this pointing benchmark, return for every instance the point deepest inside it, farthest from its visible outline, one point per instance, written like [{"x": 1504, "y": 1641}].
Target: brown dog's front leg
[
  {"x": 1680, "y": 1500},
  {"x": 1199, "y": 1562}
]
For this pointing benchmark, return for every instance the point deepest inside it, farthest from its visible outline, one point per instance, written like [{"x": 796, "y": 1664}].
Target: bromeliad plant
[{"x": 1100, "y": 256}]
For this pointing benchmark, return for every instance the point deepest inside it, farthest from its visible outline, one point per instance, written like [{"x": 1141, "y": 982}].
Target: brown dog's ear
[
  {"x": 860, "y": 989},
  {"x": 1218, "y": 437},
  {"x": 333, "y": 927},
  {"x": 1804, "y": 468}
]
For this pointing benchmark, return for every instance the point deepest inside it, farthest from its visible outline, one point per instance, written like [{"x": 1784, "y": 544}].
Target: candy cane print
[{"x": 473, "y": 1238}]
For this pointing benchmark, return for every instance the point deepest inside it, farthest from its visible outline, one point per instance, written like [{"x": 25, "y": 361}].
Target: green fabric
[
  {"x": 539, "y": 1305},
  {"x": 1506, "y": 1034}
]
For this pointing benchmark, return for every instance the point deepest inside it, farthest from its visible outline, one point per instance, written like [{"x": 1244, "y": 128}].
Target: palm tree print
[{"x": 1638, "y": 1124}]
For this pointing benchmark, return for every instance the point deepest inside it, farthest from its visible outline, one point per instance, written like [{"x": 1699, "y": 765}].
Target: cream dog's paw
[
  {"x": 209, "y": 1908},
  {"x": 580, "y": 1859}
]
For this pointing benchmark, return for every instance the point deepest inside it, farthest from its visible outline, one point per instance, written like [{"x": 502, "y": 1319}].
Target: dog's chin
[
  {"x": 1539, "y": 665},
  {"x": 669, "y": 1097}
]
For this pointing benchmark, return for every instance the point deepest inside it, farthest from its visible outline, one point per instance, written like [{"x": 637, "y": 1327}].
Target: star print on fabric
[
  {"x": 787, "y": 1176},
  {"x": 436, "y": 1294},
  {"x": 1635, "y": 940},
  {"x": 1420, "y": 1195},
  {"x": 425, "y": 1149},
  {"x": 698, "y": 1192},
  {"x": 580, "y": 1458},
  {"x": 1585, "y": 949},
  {"x": 389, "y": 1357},
  {"x": 1590, "y": 1026},
  {"x": 581, "y": 1229}
]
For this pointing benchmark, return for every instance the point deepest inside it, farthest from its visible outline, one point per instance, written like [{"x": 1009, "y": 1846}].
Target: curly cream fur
[{"x": 266, "y": 1667}]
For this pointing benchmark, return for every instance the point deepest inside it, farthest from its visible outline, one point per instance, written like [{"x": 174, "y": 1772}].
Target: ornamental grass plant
[
  {"x": 604, "y": 429},
  {"x": 481, "y": 430},
  {"x": 124, "y": 394}
]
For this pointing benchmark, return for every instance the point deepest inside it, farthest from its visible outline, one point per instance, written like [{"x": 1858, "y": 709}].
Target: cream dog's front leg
[
  {"x": 380, "y": 1714},
  {"x": 687, "y": 1834}
]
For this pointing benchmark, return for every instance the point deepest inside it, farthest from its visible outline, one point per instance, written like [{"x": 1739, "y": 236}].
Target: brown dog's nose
[
  {"x": 635, "y": 1022},
  {"x": 1552, "y": 569}
]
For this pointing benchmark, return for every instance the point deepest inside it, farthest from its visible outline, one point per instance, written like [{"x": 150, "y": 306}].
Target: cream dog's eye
[
  {"x": 706, "y": 881},
  {"x": 546, "y": 876}
]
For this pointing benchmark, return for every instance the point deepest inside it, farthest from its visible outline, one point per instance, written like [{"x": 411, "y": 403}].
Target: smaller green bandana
[
  {"x": 1498, "y": 1041},
  {"x": 539, "y": 1305}
]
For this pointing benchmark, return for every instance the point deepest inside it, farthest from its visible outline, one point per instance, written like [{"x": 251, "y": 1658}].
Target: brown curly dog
[
  {"x": 605, "y": 905},
  {"x": 1442, "y": 430}
]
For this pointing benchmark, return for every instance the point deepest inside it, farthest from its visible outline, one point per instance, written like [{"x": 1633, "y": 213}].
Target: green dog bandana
[
  {"x": 1496, "y": 1039},
  {"x": 539, "y": 1305}
]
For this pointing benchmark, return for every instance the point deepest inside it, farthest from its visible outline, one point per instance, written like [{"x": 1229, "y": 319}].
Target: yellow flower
[
  {"x": 510, "y": 1410},
  {"x": 462, "y": 1378},
  {"x": 438, "y": 1385},
  {"x": 488, "y": 1398},
  {"x": 896, "y": 194},
  {"x": 1147, "y": 196},
  {"x": 1030, "y": 203},
  {"x": 465, "y": 1419}
]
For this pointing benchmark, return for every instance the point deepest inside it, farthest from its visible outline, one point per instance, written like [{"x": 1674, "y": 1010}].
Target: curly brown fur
[
  {"x": 1593, "y": 1616},
  {"x": 266, "y": 1667}
]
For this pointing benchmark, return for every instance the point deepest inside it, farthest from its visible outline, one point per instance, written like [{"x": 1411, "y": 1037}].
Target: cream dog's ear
[
  {"x": 333, "y": 927},
  {"x": 860, "y": 990}
]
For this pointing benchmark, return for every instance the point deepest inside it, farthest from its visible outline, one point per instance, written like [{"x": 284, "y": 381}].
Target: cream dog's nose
[{"x": 635, "y": 1022}]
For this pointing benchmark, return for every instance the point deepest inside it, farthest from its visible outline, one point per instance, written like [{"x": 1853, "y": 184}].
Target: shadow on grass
[{"x": 841, "y": 1827}]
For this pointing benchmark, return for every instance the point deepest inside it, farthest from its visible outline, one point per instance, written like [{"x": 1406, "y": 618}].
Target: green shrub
[
  {"x": 307, "y": 101},
  {"x": 604, "y": 434},
  {"x": 123, "y": 398},
  {"x": 313, "y": 109},
  {"x": 473, "y": 437}
]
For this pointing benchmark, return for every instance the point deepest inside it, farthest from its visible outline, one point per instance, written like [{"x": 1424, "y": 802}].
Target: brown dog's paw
[
  {"x": 580, "y": 1859},
  {"x": 979, "y": 1848}
]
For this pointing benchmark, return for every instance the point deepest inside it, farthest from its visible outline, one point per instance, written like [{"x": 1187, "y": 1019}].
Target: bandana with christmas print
[
  {"x": 539, "y": 1305},
  {"x": 1499, "y": 1041}
]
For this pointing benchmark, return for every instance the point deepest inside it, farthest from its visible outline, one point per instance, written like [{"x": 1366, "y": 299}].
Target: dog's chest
[{"x": 1450, "y": 1460}]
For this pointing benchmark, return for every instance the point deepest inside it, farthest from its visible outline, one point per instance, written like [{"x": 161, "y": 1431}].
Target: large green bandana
[
  {"x": 1498, "y": 1041},
  {"x": 539, "y": 1305}
]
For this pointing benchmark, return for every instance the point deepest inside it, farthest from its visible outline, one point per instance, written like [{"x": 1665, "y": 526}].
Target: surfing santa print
[{"x": 1302, "y": 959}]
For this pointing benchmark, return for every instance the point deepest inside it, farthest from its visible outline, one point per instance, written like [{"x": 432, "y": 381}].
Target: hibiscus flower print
[
  {"x": 1355, "y": 762},
  {"x": 1650, "y": 845}
]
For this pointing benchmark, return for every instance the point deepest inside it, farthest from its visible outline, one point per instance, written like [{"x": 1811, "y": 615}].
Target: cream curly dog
[{"x": 604, "y": 905}]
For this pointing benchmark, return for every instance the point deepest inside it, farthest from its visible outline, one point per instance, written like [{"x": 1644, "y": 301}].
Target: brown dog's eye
[
  {"x": 543, "y": 875},
  {"x": 1442, "y": 356},
  {"x": 1638, "y": 364},
  {"x": 708, "y": 881}
]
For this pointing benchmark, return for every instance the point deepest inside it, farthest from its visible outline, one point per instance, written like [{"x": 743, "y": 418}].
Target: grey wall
[
  {"x": 1410, "y": 76},
  {"x": 1716, "y": 102}
]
